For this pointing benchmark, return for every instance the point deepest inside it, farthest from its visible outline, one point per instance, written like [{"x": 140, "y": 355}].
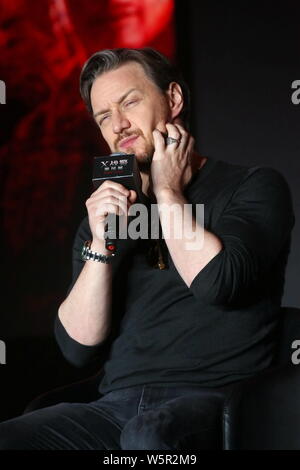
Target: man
[{"x": 173, "y": 341}]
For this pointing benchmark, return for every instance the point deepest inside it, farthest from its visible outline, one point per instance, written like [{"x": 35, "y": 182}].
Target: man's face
[{"x": 128, "y": 106}]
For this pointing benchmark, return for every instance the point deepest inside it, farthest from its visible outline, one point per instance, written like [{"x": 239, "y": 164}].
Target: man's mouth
[{"x": 124, "y": 143}]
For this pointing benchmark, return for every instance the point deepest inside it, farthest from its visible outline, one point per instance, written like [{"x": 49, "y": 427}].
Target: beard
[
  {"x": 143, "y": 155},
  {"x": 144, "y": 158}
]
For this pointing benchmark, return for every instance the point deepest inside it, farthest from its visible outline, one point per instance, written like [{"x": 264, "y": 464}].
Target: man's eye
[
  {"x": 129, "y": 103},
  {"x": 103, "y": 119}
]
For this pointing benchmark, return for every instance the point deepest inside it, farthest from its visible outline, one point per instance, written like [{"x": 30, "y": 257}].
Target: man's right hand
[{"x": 109, "y": 198}]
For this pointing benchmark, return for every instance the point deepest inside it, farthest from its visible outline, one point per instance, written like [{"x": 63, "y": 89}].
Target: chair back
[{"x": 263, "y": 412}]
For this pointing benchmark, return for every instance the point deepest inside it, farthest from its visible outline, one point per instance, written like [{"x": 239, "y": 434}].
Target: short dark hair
[{"x": 156, "y": 66}]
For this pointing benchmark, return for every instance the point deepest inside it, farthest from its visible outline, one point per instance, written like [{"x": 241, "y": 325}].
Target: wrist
[
  {"x": 99, "y": 247},
  {"x": 168, "y": 194},
  {"x": 88, "y": 253}
]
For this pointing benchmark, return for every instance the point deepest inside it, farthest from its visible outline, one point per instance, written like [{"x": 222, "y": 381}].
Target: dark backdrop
[{"x": 239, "y": 62}]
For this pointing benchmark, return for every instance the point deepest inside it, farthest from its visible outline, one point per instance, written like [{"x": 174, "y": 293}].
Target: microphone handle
[{"x": 111, "y": 233}]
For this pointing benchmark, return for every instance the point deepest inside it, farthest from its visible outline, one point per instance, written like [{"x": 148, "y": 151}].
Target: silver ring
[{"x": 171, "y": 140}]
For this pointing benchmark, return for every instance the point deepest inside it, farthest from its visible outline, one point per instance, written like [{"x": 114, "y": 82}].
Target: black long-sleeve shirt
[{"x": 222, "y": 328}]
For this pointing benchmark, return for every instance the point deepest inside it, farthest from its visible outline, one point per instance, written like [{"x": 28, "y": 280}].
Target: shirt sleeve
[
  {"x": 78, "y": 354},
  {"x": 83, "y": 234},
  {"x": 255, "y": 229}
]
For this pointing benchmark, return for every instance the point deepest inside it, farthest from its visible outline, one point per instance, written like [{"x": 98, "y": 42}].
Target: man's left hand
[{"x": 171, "y": 167}]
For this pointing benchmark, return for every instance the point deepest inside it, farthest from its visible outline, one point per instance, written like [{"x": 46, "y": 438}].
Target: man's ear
[{"x": 175, "y": 99}]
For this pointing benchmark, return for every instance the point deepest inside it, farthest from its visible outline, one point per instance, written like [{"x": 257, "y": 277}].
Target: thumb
[{"x": 133, "y": 196}]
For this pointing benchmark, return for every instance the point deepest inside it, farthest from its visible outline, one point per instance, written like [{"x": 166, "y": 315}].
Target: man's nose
[{"x": 119, "y": 122}]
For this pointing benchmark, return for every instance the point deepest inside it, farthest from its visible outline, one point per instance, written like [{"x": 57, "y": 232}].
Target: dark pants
[{"x": 142, "y": 417}]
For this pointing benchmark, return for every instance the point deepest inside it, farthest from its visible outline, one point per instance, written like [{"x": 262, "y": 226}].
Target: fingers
[
  {"x": 190, "y": 144},
  {"x": 161, "y": 126},
  {"x": 107, "y": 204},
  {"x": 159, "y": 141},
  {"x": 181, "y": 129},
  {"x": 173, "y": 131},
  {"x": 109, "y": 198},
  {"x": 110, "y": 187},
  {"x": 176, "y": 131}
]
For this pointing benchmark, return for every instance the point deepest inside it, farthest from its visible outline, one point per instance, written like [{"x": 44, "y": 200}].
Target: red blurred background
[
  {"x": 47, "y": 137},
  {"x": 47, "y": 142}
]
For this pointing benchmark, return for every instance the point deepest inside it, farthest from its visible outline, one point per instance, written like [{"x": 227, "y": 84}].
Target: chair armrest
[
  {"x": 264, "y": 412},
  {"x": 84, "y": 391}
]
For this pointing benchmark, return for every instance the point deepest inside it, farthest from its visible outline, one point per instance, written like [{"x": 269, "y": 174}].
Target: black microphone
[{"x": 121, "y": 168}]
